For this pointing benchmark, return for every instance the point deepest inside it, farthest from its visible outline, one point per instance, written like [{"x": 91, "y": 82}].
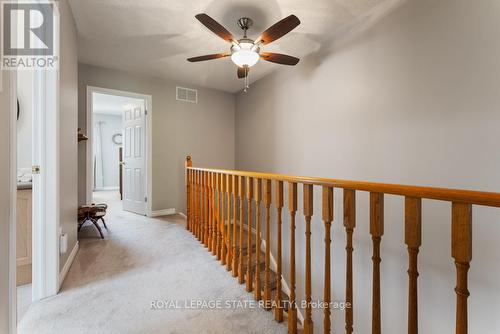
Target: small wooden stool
[{"x": 92, "y": 213}]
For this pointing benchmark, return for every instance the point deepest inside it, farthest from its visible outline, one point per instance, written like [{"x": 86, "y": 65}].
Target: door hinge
[
  {"x": 145, "y": 199},
  {"x": 35, "y": 169},
  {"x": 146, "y": 112}
]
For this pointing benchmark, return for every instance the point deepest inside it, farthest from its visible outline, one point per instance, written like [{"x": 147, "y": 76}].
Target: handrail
[
  {"x": 213, "y": 196},
  {"x": 443, "y": 194}
]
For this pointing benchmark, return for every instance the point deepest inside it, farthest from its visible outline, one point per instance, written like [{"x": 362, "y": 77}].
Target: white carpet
[{"x": 110, "y": 287}]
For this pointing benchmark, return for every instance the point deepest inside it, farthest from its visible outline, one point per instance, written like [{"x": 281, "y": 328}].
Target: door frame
[
  {"x": 46, "y": 192},
  {"x": 12, "y": 297},
  {"x": 45, "y": 213},
  {"x": 148, "y": 103}
]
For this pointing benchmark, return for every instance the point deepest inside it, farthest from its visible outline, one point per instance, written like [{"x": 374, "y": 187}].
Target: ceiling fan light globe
[{"x": 245, "y": 58}]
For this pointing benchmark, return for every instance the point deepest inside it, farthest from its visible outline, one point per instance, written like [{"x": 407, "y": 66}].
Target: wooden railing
[{"x": 211, "y": 191}]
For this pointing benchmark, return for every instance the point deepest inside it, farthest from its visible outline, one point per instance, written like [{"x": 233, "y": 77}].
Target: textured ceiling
[{"x": 154, "y": 37}]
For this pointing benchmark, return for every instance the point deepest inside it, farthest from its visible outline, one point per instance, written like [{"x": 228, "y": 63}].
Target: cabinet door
[{"x": 23, "y": 239}]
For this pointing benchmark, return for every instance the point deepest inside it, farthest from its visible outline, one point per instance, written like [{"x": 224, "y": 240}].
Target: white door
[{"x": 134, "y": 159}]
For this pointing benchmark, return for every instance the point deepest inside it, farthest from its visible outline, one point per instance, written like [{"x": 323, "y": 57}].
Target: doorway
[{"x": 118, "y": 155}]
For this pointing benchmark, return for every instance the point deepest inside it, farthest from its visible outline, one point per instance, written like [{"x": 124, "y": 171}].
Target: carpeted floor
[{"x": 112, "y": 284}]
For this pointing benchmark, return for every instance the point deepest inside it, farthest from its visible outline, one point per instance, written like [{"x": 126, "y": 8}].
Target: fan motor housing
[
  {"x": 245, "y": 23},
  {"x": 235, "y": 48}
]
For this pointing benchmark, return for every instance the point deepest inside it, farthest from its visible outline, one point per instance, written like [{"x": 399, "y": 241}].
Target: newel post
[{"x": 188, "y": 163}]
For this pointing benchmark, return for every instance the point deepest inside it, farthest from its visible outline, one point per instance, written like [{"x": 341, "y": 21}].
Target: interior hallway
[{"x": 112, "y": 282}]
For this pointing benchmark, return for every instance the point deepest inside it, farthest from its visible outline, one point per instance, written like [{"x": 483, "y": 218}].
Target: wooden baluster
[
  {"x": 200, "y": 200},
  {"x": 278, "y": 311},
  {"x": 207, "y": 211},
  {"x": 327, "y": 219},
  {"x": 188, "y": 163},
  {"x": 376, "y": 230},
  {"x": 188, "y": 198},
  {"x": 258, "y": 198},
  {"x": 249, "y": 234},
  {"x": 218, "y": 219},
  {"x": 214, "y": 212},
  {"x": 292, "y": 207},
  {"x": 241, "y": 180},
  {"x": 267, "y": 273},
  {"x": 193, "y": 208},
  {"x": 195, "y": 177},
  {"x": 413, "y": 240},
  {"x": 198, "y": 203},
  {"x": 349, "y": 224},
  {"x": 222, "y": 220},
  {"x": 210, "y": 207},
  {"x": 234, "y": 264},
  {"x": 229, "y": 251},
  {"x": 461, "y": 251},
  {"x": 193, "y": 201},
  {"x": 203, "y": 206},
  {"x": 308, "y": 212}
]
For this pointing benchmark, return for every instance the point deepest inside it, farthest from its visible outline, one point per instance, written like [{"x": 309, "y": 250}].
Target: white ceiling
[
  {"x": 111, "y": 104},
  {"x": 154, "y": 37}
]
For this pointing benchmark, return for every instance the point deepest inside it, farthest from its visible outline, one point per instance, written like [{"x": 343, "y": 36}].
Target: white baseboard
[
  {"x": 106, "y": 188},
  {"x": 164, "y": 212},
  {"x": 284, "y": 284},
  {"x": 274, "y": 267},
  {"x": 183, "y": 214},
  {"x": 67, "y": 265}
]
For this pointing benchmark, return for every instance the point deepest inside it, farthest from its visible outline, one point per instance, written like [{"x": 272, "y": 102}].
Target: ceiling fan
[{"x": 246, "y": 52}]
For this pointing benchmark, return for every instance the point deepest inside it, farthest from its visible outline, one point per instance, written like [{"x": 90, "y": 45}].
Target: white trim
[
  {"x": 46, "y": 197},
  {"x": 284, "y": 284},
  {"x": 164, "y": 212},
  {"x": 67, "y": 265},
  {"x": 148, "y": 102},
  {"x": 46, "y": 185},
  {"x": 12, "y": 117},
  {"x": 274, "y": 267},
  {"x": 107, "y": 189}
]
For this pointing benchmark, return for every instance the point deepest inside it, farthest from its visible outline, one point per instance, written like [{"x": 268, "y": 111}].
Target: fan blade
[
  {"x": 279, "y": 29},
  {"x": 215, "y": 27},
  {"x": 208, "y": 57},
  {"x": 279, "y": 58},
  {"x": 243, "y": 72}
]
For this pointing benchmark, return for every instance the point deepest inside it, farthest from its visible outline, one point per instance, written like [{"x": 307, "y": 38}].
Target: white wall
[
  {"x": 413, "y": 100},
  {"x": 110, "y": 125},
  {"x": 205, "y": 130},
  {"x": 25, "y": 121},
  {"x": 68, "y": 128}
]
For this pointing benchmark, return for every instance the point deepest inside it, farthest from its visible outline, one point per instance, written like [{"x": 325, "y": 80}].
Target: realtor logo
[{"x": 28, "y": 35}]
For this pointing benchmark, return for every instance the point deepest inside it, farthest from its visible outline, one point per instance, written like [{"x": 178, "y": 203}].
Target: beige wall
[
  {"x": 5, "y": 201},
  {"x": 68, "y": 167},
  {"x": 413, "y": 100},
  {"x": 205, "y": 130}
]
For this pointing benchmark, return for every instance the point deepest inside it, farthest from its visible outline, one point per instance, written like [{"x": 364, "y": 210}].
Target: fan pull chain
[{"x": 247, "y": 85}]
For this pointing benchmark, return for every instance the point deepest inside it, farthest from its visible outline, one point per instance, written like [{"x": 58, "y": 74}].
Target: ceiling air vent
[{"x": 187, "y": 95}]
